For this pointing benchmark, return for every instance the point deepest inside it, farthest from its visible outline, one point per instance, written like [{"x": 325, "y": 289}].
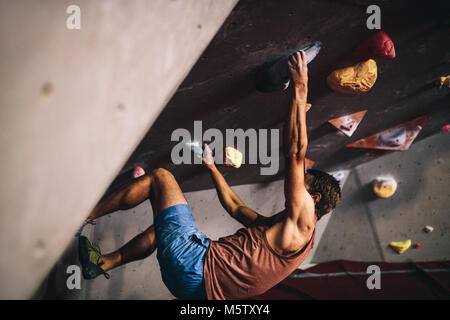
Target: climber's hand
[
  {"x": 299, "y": 70},
  {"x": 207, "y": 158}
]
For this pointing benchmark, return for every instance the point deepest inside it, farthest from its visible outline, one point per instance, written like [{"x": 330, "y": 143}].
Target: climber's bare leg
[
  {"x": 138, "y": 248},
  {"x": 164, "y": 192},
  {"x": 159, "y": 186}
]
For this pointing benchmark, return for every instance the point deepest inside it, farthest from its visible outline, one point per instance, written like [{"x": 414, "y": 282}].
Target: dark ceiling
[{"x": 220, "y": 89}]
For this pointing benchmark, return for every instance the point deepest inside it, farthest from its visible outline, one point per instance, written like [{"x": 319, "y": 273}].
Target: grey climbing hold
[{"x": 276, "y": 77}]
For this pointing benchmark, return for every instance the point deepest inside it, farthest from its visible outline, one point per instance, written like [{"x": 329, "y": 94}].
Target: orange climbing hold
[
  {"x": 348, "y": 124},
  {"x": 397, "y": 138},
  {"x": 353, "y": 80},
  {"x": 445, "y": 81}
]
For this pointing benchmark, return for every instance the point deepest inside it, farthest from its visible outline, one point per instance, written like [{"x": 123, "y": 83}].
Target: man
[{"x": 244, "y": 264}]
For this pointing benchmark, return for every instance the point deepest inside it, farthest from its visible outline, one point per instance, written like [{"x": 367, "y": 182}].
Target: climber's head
[{"x": 324, "y": 189}]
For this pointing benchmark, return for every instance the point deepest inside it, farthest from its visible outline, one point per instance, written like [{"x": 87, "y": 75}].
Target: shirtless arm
[
  {"x": 230, "y": 201},
  {"x": 298, "y": 224}
]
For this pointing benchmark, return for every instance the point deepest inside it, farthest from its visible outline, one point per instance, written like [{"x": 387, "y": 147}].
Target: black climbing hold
[{"x": 276, "y": 76}]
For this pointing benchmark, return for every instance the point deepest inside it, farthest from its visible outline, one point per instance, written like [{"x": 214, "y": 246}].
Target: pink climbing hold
[
  {"x": 377, "y": 46},
  {"x": 446, "y": 128},
  {"x": 416, "y": 245},
  {"x": 138, "y": 172}
]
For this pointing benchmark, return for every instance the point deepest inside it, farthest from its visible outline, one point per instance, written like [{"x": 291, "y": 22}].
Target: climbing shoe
[{"x": 89, "y": 256}]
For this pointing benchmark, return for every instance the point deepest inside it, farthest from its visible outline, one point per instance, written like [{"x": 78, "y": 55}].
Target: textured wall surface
[
  {"x": 363, "y": 225},
  {"x": 74, "y": 105},
  {"x": 220, "y": 89}
]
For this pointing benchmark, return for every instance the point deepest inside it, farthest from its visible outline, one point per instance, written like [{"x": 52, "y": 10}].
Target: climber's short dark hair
[{"x": 328, "y": 187}]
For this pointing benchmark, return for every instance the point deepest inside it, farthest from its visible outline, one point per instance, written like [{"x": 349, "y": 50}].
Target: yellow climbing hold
[
  {"x": 308, "y": 106},
  {"x": 445, "y": 81},
  {"x": 353, "y": 80},
  {"x": 400, "y": 246}
]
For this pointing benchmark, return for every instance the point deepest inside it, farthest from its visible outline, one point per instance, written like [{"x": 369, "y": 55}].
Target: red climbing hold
[
  {"x": 446, "y": 128},
  {"x": 377, "y": 46},
  {"x": 416, "y": 245}
]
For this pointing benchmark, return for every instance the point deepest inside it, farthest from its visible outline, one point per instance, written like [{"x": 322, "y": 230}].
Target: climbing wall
[
  {"x": 221, "y": 92},
  {"x": 221, "y": 88},
  {"x": 74, "y": 105}
]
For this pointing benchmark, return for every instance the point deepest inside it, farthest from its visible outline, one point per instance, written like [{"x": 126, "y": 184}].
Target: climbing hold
[
  {"x": 308, "y": 106},
  {"x": 400, "y": 246},
  {"x": 397, "y": 138},
  {"x": 348, "y": 124},
  {"x": 446, "y": 128},
  {"x": 233, "y": 157},
  {"x": 355, "y": 79},
  {"x": 428, "y": 229},
  {"x": 416, "y": 245},
  {"x": 393, "y": 138},
  {"x": 277, "y": 76},
  {"x": 308, "y": 163},
  {"x": 445, "y": 81},
  {"x": 341, "y": 177},
  {"x": 138, "y": 172},
  {"x": 377, "y": 46},
  {"x": 384, "y": 187}
]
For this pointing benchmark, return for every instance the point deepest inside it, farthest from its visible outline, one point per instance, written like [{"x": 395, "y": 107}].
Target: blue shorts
[{"x": 181, "y": 252}]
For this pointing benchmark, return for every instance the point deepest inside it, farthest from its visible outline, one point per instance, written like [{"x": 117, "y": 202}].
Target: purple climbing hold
[{"x": 394, "y": 138}]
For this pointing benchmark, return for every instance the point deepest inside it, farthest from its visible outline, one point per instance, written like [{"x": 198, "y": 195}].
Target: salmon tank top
[{"x": 244, "y": 265}]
